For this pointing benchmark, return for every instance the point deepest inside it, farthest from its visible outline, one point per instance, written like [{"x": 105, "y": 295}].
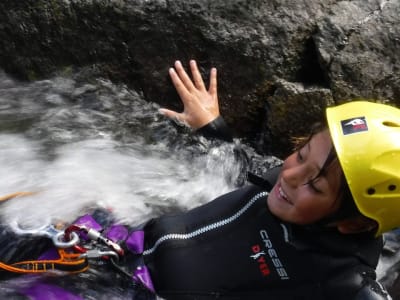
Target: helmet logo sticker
[{"x": 354, "y": 125}]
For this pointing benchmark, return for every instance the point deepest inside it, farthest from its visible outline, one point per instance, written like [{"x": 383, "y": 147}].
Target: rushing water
[
  {"x": 81, "y": 144},
  {"x": 84, "y": 143}
]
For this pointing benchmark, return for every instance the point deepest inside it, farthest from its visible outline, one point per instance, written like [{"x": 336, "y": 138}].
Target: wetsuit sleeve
[
  {"x": 372, "y": 291},
  {"x": 357, "y": 283},
  {"x": 216, "y": 129}
]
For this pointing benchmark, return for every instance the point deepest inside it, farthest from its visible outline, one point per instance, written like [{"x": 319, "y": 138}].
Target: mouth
[{"x": 282, "y": 195}]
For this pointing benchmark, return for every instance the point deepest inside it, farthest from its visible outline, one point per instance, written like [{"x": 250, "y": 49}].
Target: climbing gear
[
  {"x": 49, "y": 231},
  {"x": 93, "y": 234},
  {"x": 69, "y": 255},
  {"x": 73, "y": 247},
  {"x": 64, "y": 260},
  {"x": 89, "y": 229},
  {"x": 67, "y": 262},
  {"x": 97, "y": 253},
  {"x": 78, "y": 245},
  {"x": 366, "y": 137}
]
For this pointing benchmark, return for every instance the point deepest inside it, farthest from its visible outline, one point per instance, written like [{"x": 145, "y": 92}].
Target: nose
[{"x": 293, "y": 174}]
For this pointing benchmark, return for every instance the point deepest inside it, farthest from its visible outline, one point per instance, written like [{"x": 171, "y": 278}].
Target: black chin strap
[
  {"x": 266, "y": 182},
  {"x": 259, "y": 181}
]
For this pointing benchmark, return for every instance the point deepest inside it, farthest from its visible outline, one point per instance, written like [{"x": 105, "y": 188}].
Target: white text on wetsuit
[{"x": 259, "y": 256}]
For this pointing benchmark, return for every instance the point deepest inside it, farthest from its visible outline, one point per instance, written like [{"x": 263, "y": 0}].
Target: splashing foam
[
  {"x": 82, "y": 145},
  {"x": 134, "y": 184}
]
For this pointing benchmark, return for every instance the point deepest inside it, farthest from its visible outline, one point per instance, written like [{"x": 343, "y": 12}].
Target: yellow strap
[{"x": 17, "y": 194}]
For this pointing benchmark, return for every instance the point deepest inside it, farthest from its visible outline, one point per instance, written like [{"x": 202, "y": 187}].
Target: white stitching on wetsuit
[{"x": 207, "y": 228}]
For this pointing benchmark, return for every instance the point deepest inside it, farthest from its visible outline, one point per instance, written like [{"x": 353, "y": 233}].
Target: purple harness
[{"x": 117, "y": 233}]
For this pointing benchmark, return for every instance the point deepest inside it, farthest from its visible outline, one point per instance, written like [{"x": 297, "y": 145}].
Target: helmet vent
[
  {"x": 390, "y": 124},
  {"x": 371, "y": 191},
  {"x": 392, "y": 187}
]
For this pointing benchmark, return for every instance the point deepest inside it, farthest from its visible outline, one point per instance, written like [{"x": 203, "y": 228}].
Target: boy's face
[{"x": 298, "y": 196}]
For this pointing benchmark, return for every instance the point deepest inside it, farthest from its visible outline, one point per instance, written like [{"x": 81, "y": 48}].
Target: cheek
[
  {"x": 309, "y": 209},
  {"x": 312, "y": 208}
]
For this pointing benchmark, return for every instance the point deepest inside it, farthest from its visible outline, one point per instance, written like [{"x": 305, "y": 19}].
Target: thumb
[
  {"x": 178, "y": 118},
  {"x": 169, "y": 113}
]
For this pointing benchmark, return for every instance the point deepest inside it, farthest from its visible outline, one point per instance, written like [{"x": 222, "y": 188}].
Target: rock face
[
  {"x": 361, "y": 53},
  {"x": 280, "y": 62}
]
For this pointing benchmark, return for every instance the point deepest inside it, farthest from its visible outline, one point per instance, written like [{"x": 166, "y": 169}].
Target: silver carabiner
[
  {"x": 59, "y": 242},
  {"x": 48, "y": 231},
  {"x": 96, "y": 253}
]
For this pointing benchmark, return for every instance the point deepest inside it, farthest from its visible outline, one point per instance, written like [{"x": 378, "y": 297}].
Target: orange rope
[
  {"x": 17, "y": 194},
  {"x": 68, "y": 262}
]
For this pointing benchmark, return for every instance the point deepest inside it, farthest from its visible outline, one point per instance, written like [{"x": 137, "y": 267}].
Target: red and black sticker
[{"x": 354, "y": 125}]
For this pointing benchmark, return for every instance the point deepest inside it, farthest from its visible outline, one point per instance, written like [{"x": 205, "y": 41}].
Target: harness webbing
[{"x": 68, "y": 262}]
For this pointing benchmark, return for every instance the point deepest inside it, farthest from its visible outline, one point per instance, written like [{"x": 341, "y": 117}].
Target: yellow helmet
[{"x": 366, "y": 137}]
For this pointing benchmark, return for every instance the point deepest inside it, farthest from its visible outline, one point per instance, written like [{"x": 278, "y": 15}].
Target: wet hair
[{"x": 347, "y": 207}]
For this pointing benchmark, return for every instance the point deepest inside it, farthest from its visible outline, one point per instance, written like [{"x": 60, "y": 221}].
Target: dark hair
[{"x": 347, "y": 208}]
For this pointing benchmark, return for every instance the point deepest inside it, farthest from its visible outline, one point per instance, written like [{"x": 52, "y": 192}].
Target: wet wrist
[{"x": 217, "y": 128}]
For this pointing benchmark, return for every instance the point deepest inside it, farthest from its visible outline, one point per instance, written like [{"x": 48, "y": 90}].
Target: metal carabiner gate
[{"x": 49, "y": 231}]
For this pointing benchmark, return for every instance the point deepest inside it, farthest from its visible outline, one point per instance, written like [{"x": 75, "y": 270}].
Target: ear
[{"x": 356, "y": 225}]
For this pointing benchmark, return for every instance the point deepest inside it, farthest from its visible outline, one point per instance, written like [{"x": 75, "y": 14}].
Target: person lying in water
[{"x": 313, "y": 231}]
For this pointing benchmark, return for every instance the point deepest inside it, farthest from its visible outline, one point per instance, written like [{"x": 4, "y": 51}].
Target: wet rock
[
  {"x": 358, "y": 43},
  {"x": 291, "y": 109}
]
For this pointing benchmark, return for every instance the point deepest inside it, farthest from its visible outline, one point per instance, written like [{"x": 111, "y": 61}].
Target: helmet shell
[{"x": 366, "y": 136}]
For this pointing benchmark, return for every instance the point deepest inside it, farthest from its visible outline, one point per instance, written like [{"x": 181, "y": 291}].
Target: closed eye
[
  {"x": 300, "y": 156},
  {"x": 311, "y": 184}
]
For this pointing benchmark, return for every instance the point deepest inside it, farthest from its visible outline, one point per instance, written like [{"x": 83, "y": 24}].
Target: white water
[
  {"x": 90, "y": 172},
  {"x": 80, "y": 145}
]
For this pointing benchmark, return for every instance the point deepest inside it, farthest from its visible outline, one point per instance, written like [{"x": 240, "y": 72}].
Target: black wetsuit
[{"x": 234, "y": 248}]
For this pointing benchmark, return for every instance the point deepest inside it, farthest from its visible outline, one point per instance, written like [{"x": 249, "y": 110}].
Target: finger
[
  {"x": 198, "y": 80},
  {"x": 179, "y": 86},
  {"x": 213, "y": 82},
  {"x": 184, "y": 77}
]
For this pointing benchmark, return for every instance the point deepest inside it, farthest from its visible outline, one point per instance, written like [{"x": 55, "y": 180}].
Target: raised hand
[{"x": 200, "y": 105}]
